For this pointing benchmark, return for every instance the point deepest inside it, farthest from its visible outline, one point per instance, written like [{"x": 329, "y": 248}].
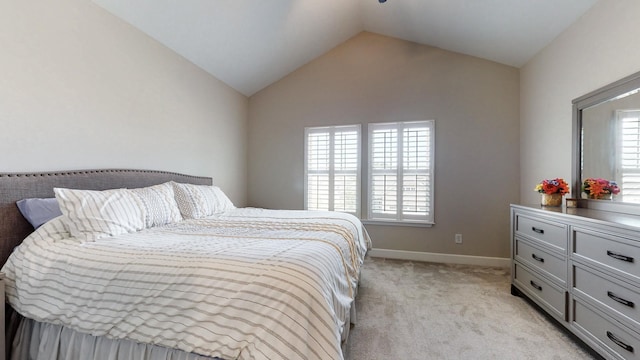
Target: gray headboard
[{"x": 16, "y": 186}]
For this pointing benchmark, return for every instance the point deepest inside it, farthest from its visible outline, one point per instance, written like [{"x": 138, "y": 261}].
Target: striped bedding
[{"x": 246, "y": 284}]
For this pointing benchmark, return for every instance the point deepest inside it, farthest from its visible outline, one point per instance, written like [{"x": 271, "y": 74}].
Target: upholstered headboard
[{"x": 16, "y": 186}]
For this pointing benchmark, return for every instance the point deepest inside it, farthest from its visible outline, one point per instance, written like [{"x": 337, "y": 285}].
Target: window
[
  {"x": 628, "y": 172},
  {"x": 332, "y": 168},
  {"x": 400, "y": 176},
  {"x": 401, "y": 171}
]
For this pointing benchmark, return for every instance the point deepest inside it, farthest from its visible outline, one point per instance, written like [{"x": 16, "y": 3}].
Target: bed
[{"x": 213, "y": 282}]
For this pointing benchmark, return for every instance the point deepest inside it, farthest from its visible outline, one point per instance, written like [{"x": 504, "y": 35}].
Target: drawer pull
[
  {"x": 620, "y": 257},
  {"x": 621, "y": 300},
  {"x": 619, "y": 342},
  {"x": 538, "y": 287},
  {"x": 535, "y": 229},
  {"x": 537, "y": 258}
]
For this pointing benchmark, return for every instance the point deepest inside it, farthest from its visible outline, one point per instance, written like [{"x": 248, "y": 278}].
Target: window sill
[{"x": 396, "y": 223}]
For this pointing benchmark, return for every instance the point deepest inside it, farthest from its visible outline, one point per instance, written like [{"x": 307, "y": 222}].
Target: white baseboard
[{"x": 440, "y": 258}]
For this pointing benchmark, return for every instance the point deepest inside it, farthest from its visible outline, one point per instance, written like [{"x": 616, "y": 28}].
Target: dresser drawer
[
  {"x": 541, "y": 260},
  {"x": 608, "y": 291},
  {"x": 548, "y": 232},
  {"x": 617, "y": 339},
  {"x": 551, "y": 297},
  {"x": 609, "y": 250}
]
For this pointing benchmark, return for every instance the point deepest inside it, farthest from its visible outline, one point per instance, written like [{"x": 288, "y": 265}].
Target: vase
[
  {"x": 551, "y": 200},
  {"x": 600, "y": 196}
]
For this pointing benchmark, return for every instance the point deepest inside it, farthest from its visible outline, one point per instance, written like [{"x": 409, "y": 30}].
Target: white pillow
[
  {"x": 159, "y": 204},
  {"x": 92, "y": 215},
  {"x": 198, "y": 201},
  {"x": 223, "y": 203}
]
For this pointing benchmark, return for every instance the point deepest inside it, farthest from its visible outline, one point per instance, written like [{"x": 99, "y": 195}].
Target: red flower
[
  {"x": 598, "y": 186},
  {"x": 553, "y": 186}
]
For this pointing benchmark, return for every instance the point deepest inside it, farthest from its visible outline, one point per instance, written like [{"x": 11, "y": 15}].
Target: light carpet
[{"x": 412, "y": 310}]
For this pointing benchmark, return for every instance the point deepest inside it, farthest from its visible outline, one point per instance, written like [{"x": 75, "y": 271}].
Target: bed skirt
[
  {"x": 34, "y": 340},
  {"x": 42, "y": 341}
]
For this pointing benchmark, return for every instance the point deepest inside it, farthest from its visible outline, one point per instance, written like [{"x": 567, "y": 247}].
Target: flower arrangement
[
  {"x": 553, "y": 186},
  {"x": 597, "y": 187}
]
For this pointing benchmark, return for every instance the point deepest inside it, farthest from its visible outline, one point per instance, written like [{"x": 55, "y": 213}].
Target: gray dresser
[{"x": 582, "y": 267}]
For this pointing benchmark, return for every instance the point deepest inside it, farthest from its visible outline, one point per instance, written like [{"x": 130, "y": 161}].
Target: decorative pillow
[
  {"x": 198, "y": 201},
  {"x": 38, "y": 211},
  {"x": 92, "y": 215},
  {"x": 159, "y": 204}
]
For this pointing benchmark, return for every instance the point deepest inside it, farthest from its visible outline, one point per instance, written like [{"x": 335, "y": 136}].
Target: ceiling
[{"x": 250, "y": 44}]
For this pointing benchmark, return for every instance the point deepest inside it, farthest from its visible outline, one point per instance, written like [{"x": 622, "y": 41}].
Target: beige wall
[
  {"x": 80, "y": 89},
  {"x": 601, "y": 47},
  {"x": 373, "y": 78}
]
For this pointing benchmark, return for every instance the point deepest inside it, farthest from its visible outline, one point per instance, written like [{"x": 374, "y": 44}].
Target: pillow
[
  {"x": 39, "y": 211},
  {"x": 92, "y": 215},
  {"x": 223, "y": 202},
  {"x": 198, "y": 201},
  {"x": 159, "y": 204}
]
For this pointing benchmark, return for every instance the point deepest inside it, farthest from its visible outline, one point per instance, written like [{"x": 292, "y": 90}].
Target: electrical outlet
[{"x": 458, "y": 238}]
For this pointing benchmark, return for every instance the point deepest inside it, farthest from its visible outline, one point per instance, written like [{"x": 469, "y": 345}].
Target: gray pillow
[{"x": 39, "y": 211}]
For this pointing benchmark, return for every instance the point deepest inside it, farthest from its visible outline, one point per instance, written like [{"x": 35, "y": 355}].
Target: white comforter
[{"x": 247, "y": 284}]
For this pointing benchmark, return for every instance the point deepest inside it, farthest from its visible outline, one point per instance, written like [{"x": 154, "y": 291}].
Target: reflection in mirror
[
  {"x": 606, "y": 143},
  {"x": 611, "y": 144}
]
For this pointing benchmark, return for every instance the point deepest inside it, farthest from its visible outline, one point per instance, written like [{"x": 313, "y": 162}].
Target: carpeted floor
[{"x": 413, "y": 310}]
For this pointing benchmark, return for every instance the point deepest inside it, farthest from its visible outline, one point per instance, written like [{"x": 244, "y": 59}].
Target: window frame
[
  {"x": 399, "y": 218},
  {"x": 366, "y": 216},
  {"x": 332, "y": 171}
]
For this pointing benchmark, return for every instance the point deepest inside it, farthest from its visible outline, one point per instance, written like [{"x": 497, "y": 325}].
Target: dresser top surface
[{"x": 631, "y": 222}]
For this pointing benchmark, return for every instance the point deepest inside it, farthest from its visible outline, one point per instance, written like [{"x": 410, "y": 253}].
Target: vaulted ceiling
[{"x": 249, "y": 44}]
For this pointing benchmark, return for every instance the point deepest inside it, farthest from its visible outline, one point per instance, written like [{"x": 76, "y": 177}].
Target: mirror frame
[{"x": 605, "y": 93}]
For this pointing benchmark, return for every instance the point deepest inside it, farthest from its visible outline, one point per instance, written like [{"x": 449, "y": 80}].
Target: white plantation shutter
[
  {"x": 384, "y": 172},
  {"x": 346, "y": 179},
  {"x": 628, "y": 173},
  {"x": 332, "y": 168},
  {"x": 401, "y": 171},
  {"x": 416, "y": 188},
  {"x": 318, "y": 157}
]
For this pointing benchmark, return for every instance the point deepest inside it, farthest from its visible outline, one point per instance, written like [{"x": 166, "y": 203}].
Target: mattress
[{"x": 245, "y": 284}]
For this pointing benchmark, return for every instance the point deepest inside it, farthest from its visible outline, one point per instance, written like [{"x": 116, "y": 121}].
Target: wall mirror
[{"x": 606, "y": 143}]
